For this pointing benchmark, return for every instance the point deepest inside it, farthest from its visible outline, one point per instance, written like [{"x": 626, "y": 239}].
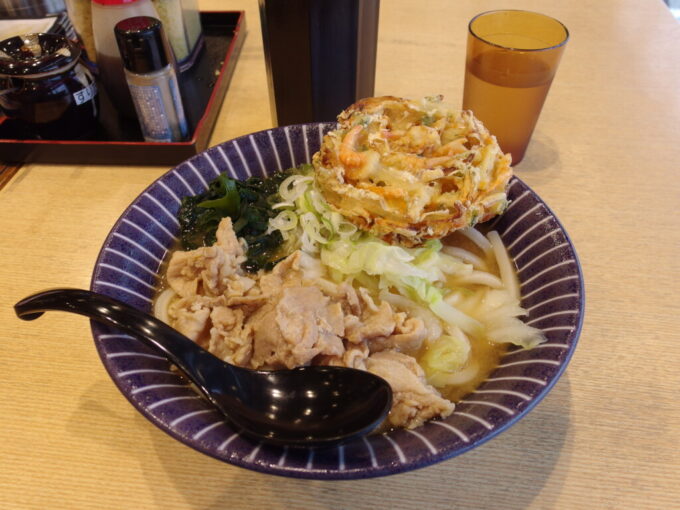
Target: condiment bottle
[
  {"x": 44, "y": 88},
  {"x": 192, "y": 22},
  {"x": 182, "y": 25},
  {"x": 152, "y": 80},
  {"x": 80, "y": 16},
  {"x": 105, "y": 15}
]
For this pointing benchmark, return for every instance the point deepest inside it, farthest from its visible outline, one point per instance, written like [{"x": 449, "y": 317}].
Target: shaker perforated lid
[{"x": 141, "y": 44}]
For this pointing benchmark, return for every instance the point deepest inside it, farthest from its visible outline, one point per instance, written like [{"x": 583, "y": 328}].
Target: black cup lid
[
  {"x": 140, "y": 41},
  {"x": 36, "y": 54}
]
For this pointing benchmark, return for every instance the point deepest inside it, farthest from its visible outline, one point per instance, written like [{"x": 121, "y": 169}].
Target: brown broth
[
  {"x": 487, "y": 355},
  {"x": 482, "y": 352}
]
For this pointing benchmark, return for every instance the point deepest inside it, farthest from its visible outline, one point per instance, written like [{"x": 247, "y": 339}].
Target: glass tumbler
[{"x": 512, "y": 57}]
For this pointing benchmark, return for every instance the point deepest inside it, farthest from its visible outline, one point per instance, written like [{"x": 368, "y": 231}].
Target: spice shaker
[
  {"x": 105, "y": 15},
  {"x": 152, "y": 80},
  {"x": 45, "y": 90}
]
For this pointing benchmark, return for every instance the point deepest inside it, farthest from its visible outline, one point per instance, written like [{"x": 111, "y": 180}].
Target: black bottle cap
[{"x": 141, "y": 44}]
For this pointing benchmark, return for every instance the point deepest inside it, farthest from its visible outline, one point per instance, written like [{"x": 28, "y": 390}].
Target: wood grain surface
[
  {"x": 7, "y": 172},
  {"x": 604, "y": 157}
]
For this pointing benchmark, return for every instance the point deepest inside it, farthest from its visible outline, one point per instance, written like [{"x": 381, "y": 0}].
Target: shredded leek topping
[{"x": 305, "y": 220}]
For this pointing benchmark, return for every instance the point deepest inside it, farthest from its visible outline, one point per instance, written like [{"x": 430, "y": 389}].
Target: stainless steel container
[{"x": 320, "y": 56}]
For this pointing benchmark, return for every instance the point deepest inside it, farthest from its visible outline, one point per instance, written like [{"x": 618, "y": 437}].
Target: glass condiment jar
[
  {"x": 150, "y": 74},
  {"x": 45, "y": 89},
  {"x": 182, "y": 25},
  {"x": 105, "y": 15}
]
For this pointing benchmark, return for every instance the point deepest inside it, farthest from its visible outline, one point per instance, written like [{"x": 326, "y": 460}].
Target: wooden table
[{"x": 604, "y": 157}]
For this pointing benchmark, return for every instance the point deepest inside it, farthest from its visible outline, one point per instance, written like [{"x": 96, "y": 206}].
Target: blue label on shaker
[{"x": 151, "y": 112}]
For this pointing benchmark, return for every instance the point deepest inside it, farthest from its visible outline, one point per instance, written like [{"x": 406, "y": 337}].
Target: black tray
[{"x": 119, "y": 141}]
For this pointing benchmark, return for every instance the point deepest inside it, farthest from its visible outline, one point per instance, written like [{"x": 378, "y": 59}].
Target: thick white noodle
[
  {"x": 466, "y": 256},
  {"x": 478, "y": 238},
  {"x": 454, "y": 317},
  {"x": 505, "y": 265},
  {"x": 162, "y": 303},
  {"x": 480, "y": 278}
]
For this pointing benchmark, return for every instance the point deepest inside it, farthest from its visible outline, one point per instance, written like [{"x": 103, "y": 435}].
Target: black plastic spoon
[{"x": 306, "y": 406}]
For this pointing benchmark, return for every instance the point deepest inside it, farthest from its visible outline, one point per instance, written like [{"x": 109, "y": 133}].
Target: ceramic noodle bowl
[{"x": 132, "y": 258}]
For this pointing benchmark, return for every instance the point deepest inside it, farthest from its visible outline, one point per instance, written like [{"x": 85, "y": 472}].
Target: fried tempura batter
[{"x": 408, "y": 171}]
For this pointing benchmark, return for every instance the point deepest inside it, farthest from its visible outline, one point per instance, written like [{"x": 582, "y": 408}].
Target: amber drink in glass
[{"x": 512, "y": 57}]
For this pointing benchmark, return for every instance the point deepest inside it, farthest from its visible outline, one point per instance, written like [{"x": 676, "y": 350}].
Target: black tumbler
[{"x": 320, "y": 56}]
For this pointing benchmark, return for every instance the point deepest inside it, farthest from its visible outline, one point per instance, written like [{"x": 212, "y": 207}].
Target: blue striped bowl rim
[{"x": 133, "y": 254}]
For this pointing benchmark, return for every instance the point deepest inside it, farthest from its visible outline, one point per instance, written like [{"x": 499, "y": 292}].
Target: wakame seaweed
[{"x": 248, "y": 203}]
